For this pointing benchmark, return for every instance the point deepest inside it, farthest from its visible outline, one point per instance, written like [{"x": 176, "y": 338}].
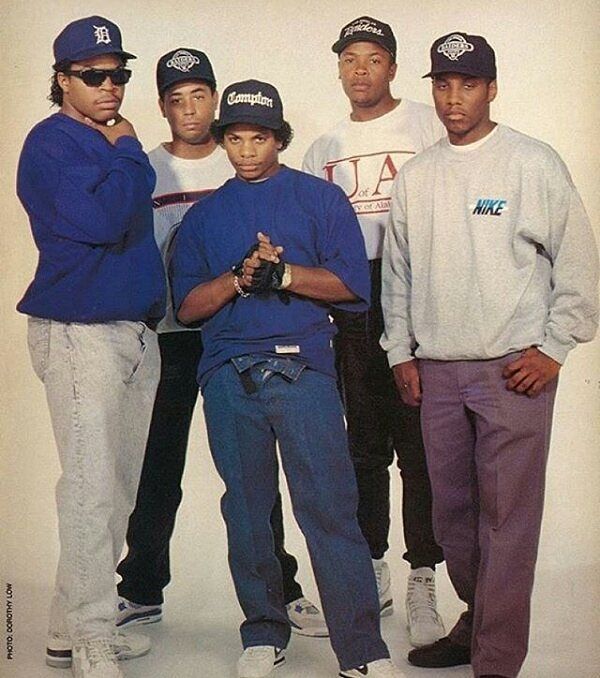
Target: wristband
[{"x": 286, "y": 278}]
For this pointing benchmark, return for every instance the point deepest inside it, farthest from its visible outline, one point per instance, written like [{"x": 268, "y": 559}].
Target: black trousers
[
  {"x": 145, "y": 570},
  {"x": 379, "y": 423}
]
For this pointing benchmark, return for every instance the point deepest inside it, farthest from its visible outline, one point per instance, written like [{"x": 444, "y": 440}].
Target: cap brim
[
  {"x": 88, "y": 53},
  {"x": 234, "y": 120},
  {"x": 340, "y": 45},
  {"x": 186, "y": 77},
  {"x": 460, "y": 71}
]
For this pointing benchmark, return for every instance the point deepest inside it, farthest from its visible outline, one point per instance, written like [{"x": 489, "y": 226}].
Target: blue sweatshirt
[
  {"x": 314, "y": 222},
  {"x": 89, "y": 205}
]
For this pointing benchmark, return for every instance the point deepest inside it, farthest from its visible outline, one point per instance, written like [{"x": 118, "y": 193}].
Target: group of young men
[{"x": 435, "y": 274}]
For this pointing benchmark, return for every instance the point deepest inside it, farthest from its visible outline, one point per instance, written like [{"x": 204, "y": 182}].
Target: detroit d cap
[
  {"x": 88, "y": 37},
  {"x": 366, "y": 29},
  {"x": 462, "y": 53},
  {"x": 253, "y": 102},
  {"x": 183, "y": 64}
]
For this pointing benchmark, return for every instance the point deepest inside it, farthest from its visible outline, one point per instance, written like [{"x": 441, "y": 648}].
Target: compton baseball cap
[
  {"x": 462, "y": 53},
  {"x": 88, "y": 37},
  {"x": 183, "y": 64},
  {"x": 366, "y": 29},
  {"x": 253, "y": 102}
]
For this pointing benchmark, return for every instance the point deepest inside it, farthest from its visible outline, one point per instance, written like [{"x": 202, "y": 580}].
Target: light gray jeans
[{"x": 100, "y": 382}]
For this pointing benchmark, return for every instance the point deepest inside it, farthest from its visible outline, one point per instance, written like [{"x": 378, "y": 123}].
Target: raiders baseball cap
[
  {"x": 88, "y": 37},
  {"x": 183, "y": 64},
  {"x": 462, "y": 53},
  {"x": 252, "y": 102},
  {"x": 366, "y": 29}
]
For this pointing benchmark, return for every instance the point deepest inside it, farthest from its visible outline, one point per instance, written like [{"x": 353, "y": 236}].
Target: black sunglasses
[{"x": 94, "y": 77}]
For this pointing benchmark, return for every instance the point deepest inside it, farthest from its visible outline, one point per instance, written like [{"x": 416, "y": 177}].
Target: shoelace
[
  {"x": 258, "y": 651},
  {"x": 99, "y": 651},
  {"x": 421, "y": 597},
  {"x": 378, "y": 574}
]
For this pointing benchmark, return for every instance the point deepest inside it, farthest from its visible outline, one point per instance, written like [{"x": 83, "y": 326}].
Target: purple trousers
[{"x": 486, "y": 451}]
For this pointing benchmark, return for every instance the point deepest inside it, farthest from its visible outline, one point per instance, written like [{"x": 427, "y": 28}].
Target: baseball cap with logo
[
  {"x": 88, "y": 37},
  {"x": 253, "y": 102},
  {"x": 462, "y": 53},
  {"x": 183, "y": 64},
  {"x": 366, "y": 29}
]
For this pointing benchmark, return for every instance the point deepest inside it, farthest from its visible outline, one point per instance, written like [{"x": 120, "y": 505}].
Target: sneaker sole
[
  {"x": 140, "y": 619},
  {"x": 280, "y": 661},
  {"x": 62, "y": 659},
  {"x": 421, "y": 643}
]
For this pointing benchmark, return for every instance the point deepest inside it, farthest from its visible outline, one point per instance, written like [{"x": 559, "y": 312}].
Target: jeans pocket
[
  {"x": 38, "y": 342},
  {"x": 137, "y": 353}
]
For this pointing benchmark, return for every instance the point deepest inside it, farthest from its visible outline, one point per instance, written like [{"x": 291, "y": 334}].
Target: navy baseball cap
[
  {"x": 183, "y": 64},
  {"x": 462, "y": 53},
  {"x": 253, "y": 102},
  {"x": 88, "y": 37},
  {"x": 366, "y": 29}
]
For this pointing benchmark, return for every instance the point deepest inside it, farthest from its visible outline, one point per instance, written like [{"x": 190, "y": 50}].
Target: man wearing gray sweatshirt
[{"x": 490, "y": 277}]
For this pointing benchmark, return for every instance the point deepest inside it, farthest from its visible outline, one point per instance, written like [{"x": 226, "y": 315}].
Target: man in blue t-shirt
[
  {"x": 188, "y": 168},
  {"x": 260, "y": 262},
  {"x": 96, "y": 297}
]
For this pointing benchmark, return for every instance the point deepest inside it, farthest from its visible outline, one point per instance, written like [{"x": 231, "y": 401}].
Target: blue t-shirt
[
  {"x": 315, "y": 224},
  {"x": 90, "y": 208}
]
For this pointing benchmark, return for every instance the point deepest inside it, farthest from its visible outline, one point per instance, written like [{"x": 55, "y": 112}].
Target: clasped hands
[{"x": 261, "y": 268}]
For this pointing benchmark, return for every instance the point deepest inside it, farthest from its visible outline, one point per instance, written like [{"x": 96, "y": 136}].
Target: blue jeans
[
  {"x": 301, "y": 410},
  {"x": 146, "y": 570}
]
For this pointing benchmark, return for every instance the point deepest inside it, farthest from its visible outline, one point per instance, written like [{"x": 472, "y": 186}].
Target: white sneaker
[
  {"x": 95, "y": 659},
  {"x": 382, "y": 668},
  {"x": 306, "y": 619},
  {"x": 424, "y": 624},
  {"x": 131, "y": 614},
  {"x": 259, "y": 661},
  {"x": 384, "y": 587},
  {"x": 125, "y": 646}
]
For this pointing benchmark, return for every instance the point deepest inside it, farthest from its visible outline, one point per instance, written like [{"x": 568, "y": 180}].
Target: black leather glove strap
[{"x": 267, "y": 277}]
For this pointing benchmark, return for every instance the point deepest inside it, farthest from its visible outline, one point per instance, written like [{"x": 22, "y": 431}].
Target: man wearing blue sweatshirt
[
  {"x": 260, "y": 262},
  {"x": 97, "y": 294}
]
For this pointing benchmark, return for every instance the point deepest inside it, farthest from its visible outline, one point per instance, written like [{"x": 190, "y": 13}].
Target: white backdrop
[{"x": 548, "y": 59}]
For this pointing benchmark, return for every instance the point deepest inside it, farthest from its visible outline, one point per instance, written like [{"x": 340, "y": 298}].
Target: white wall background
[{"x": 548, "y": 65}]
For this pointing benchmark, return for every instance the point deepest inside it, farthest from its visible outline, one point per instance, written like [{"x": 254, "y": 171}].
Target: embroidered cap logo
[
  {"x": 183, "y": 61},
  {"x": 362, "y": 26},
  {"x": 257, "y": 99},
  {"x": 454, "y": 46},
  {"x": 102, "y": 35}
]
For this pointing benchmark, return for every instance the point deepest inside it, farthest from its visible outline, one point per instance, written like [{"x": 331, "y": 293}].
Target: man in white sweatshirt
[
  {"x": 490, "y": 274},
  {"x": 362, "y": 154}
]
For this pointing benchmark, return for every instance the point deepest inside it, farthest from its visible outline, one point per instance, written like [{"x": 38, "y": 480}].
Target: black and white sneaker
[
  {"x": 259, "y": 661},
  {"x": 381, "y": 668},
  {"x": 132, "y": 614}
]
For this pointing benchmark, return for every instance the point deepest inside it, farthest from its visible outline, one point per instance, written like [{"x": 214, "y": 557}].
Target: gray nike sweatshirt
[{"x": 487, "y": 252}]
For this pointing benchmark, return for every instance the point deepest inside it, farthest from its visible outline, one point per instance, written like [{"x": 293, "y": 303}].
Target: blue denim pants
[{"x": 299, "y": 409}]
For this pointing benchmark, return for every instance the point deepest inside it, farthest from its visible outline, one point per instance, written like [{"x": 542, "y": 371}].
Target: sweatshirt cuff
[
  {"x": 555, "y": 349},
  {"x": 399, "y": 355}
]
